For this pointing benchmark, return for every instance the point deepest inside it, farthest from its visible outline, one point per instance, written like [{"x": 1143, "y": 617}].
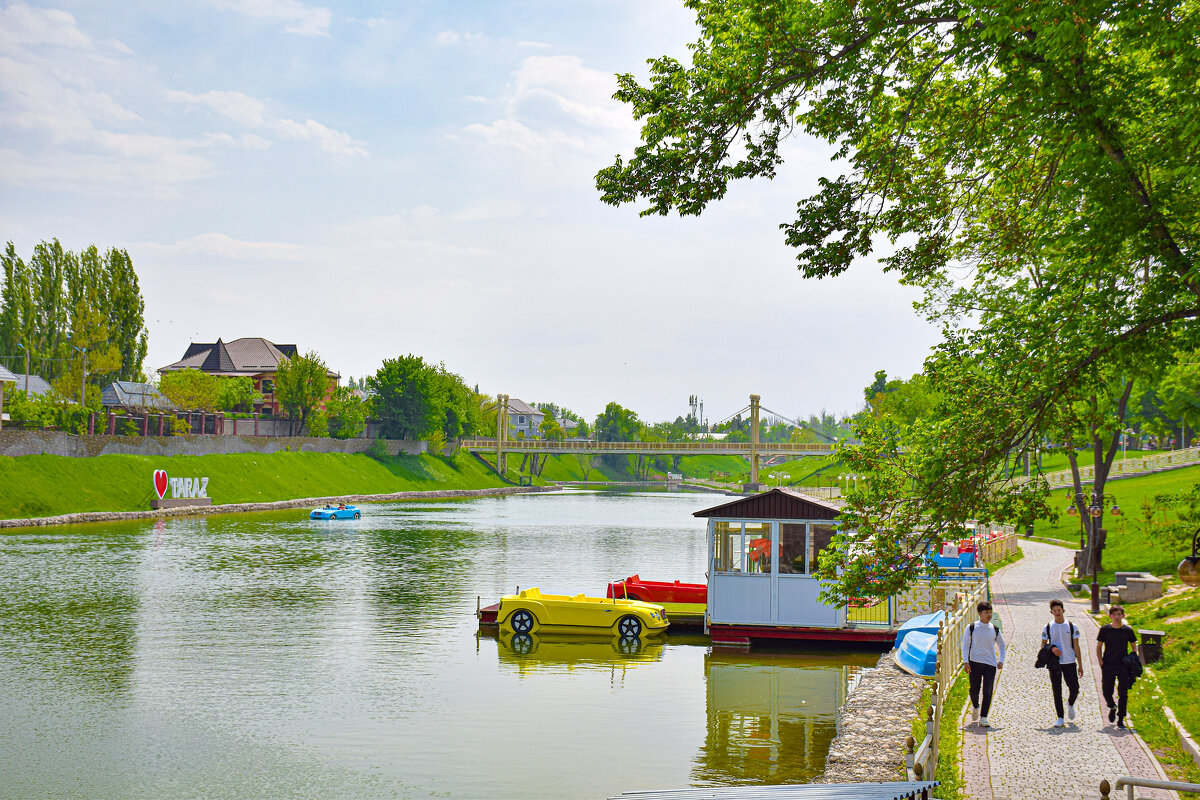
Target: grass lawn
[
  {"x": 1128, "y": 548},
  {"x": 47, "y": 485},
  {"x": 1173, "y": 681}
]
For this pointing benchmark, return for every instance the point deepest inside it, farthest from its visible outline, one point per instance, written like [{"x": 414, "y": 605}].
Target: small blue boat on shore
[
  {"x": 917, "y": 654},
  {"x": 926, "y": 623}
]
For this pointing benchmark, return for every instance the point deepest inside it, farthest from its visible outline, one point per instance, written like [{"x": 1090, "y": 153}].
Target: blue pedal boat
[
  {"x": 917, "y": 654},
  {"x": 335, "y": 512}
]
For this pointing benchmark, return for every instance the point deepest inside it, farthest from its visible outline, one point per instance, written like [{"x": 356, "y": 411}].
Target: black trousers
[
  {"x": 983, "y": 676},
  {"x": 1116, "y": 674},
  {"x": 1070, "y": 674}
]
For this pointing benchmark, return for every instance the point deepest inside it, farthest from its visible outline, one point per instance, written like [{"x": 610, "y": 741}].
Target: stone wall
[
  {"x": 27, "y": 443},
  {"x": 874, "y": 726}
]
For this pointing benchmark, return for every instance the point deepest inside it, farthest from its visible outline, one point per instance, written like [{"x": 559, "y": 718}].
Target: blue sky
[{"x": 374, "y": 179}]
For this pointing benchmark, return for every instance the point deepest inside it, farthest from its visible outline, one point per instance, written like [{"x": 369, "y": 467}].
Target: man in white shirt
[
  {"x": 982, "y": 653},
  {"x": 1064, "y": 637}
]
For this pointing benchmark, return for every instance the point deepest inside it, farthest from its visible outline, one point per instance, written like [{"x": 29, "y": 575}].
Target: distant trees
[
  {"x": 301, "y": 383},
  {"x": 58, "y": 303}
]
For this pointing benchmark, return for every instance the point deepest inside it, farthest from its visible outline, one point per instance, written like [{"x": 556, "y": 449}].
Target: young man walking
[
  {"x": 1112, "y": 643},
  {"x": 1064, "y": 638},
  {"x": 982, "y": 653}
]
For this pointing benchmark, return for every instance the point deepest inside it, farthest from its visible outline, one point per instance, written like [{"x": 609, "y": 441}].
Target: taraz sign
[{"x": 180, "y": 487}]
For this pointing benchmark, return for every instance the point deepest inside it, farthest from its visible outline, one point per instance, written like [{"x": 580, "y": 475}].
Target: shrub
[
  {"x": 318, "y": 424},
  {"x": 377, "y": 450}
]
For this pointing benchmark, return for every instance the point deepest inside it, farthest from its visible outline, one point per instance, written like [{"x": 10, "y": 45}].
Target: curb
[
  {"x": 1185, "y": 739},
  {"x": 235, "y": 508}
]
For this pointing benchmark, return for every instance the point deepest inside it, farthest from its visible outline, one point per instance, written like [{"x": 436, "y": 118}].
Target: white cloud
[
  {"x": 21, "y": 25},
  {"x": 251, "y": 112},
  {"x": 296, "y": 17},
  {"x": 558, "y": 103},
  {"x": 447, "y": 38}
]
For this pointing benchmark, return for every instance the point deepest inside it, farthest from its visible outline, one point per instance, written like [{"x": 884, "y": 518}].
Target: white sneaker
[
  {"x": 974, "y": 713},
  {"x": 1058, "y": 723},
  {"x": 1070, "y": 711},
  {"x": 983, "y": 721}
]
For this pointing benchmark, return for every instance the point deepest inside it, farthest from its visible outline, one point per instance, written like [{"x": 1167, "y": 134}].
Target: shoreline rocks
[
  {"x": 234, "y": 508},
  {"x": 874, "y": 726}
]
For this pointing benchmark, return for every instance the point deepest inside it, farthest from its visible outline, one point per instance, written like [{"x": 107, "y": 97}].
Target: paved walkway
[{"x": 1023, "y": 755}]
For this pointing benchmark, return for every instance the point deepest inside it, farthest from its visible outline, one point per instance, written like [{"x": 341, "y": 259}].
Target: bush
[
  {"x": 318, "y": 425},
  {"x": 180, "y": 426},
  {"x": 127, "y": 427},
  {"x": 377, "y": 450}
]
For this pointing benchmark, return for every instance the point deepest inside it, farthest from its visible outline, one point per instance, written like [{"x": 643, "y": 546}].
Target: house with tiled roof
[
  {"x": 523, "y": 418},
  {"x": 134, "y": 395},
  {"x": 254, "y": 357}
]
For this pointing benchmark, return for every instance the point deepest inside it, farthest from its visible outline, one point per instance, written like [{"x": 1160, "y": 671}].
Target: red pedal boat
[{"x": 634, "y": 588}]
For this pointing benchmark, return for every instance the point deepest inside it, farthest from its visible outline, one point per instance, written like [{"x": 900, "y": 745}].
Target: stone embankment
[
  {"x": 874, "y": 726},
  {"x": 56, "y": 443},
  {"x": 232, "y": 508}
]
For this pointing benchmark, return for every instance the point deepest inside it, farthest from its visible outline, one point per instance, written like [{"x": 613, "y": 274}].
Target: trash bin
[{"x": 1152, "y": 644}]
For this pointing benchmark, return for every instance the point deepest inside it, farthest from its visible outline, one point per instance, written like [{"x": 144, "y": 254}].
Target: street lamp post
[{"x": 1095, "y": 511}]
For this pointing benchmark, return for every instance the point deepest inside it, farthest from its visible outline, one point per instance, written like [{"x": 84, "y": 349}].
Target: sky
[{"x": 371, "y": 179}]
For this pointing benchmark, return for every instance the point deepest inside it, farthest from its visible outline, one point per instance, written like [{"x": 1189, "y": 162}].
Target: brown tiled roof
[
  {"x": 246, "y": 356},
  {"x": 775, "y": 504}
]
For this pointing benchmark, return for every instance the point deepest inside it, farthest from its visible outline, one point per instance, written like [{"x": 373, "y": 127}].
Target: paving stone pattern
[{"x": 1023, "y": 755}]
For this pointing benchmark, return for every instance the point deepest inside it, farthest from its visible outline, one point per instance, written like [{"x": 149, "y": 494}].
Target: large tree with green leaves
[
  {"x": 415, "y": 399},
  {"x": 57, "y": 301},
  {"x": 301, "y": 383},
  {"x": 1034, "y": 169}
]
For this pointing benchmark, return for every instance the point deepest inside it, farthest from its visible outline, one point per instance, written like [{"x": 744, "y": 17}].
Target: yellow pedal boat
[{"x": 531, "y": 611}]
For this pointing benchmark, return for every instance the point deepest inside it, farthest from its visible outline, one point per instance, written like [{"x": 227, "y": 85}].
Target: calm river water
[{"x": 264, "y": 655}]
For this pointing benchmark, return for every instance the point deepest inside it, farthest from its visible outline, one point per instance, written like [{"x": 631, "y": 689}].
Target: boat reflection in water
[
  {"x": 546, "y": 652},
  {"x": 771, "y": 717}
]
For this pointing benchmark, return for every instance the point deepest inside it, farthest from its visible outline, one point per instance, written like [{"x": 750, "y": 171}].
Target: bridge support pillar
[
  {"x": 754, "y": 485},
  {"x": 501, "y": 433}
]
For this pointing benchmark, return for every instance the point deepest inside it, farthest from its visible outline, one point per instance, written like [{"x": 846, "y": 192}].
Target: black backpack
[{"x": 1045, "y": 656}]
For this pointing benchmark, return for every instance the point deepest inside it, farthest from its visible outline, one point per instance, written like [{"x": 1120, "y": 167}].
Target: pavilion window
[
  {"x": 793, "y": 548},
  {"x": 756, "y": 538},
  {"x": 727, "y": 547}
]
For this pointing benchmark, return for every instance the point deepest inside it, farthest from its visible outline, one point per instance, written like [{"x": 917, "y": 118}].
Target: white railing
[
  {"x": 1124, "y": 466},
  {"x": 922, "y": 758}
]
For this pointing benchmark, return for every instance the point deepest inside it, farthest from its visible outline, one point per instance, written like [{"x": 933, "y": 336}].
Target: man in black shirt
[{"x": 1112, "y": 644}]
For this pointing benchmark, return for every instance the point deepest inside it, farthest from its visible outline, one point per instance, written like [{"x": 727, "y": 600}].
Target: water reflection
[
  {"x": 529, "y": 653},
  {"x": 267, "y": 655},
  {"x": 771, "y": 718}
]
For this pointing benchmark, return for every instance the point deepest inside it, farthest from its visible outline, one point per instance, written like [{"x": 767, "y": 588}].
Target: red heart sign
[{"x": 160, "y": 482}]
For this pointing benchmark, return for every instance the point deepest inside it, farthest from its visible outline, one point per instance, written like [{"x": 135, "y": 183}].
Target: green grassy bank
[
  {"x": 39, "y": 486},
  {"x": 1128, "y": 547},
  {"x": 1174, "y": 680}
]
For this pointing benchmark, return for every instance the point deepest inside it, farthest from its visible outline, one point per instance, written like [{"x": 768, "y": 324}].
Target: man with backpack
[
  {"x": 1111, "y": 650},
  {"x": 1067, "y": 664},
  {"x": 982, "y": 653}
]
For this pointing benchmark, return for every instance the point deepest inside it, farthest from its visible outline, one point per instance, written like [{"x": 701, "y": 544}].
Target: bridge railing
[{"x": 542, "y": 445}]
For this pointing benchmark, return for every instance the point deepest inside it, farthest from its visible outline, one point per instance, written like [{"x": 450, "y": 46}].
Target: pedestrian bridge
[{"x": 702, "y": 448}]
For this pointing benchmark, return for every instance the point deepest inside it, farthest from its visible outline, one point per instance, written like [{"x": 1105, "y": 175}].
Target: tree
[
  {"x": 41, "y": 303},
  {"x": 551, "y": 431},
  {"x": 1033, "y": 172},
  {"x": 415, "y": 399},
  {"x": 236, "y": 393},
  {"x": 191, "y": 389},
  {"x": 301, "y": 383},
  {"x": 347, "y": 413}
]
